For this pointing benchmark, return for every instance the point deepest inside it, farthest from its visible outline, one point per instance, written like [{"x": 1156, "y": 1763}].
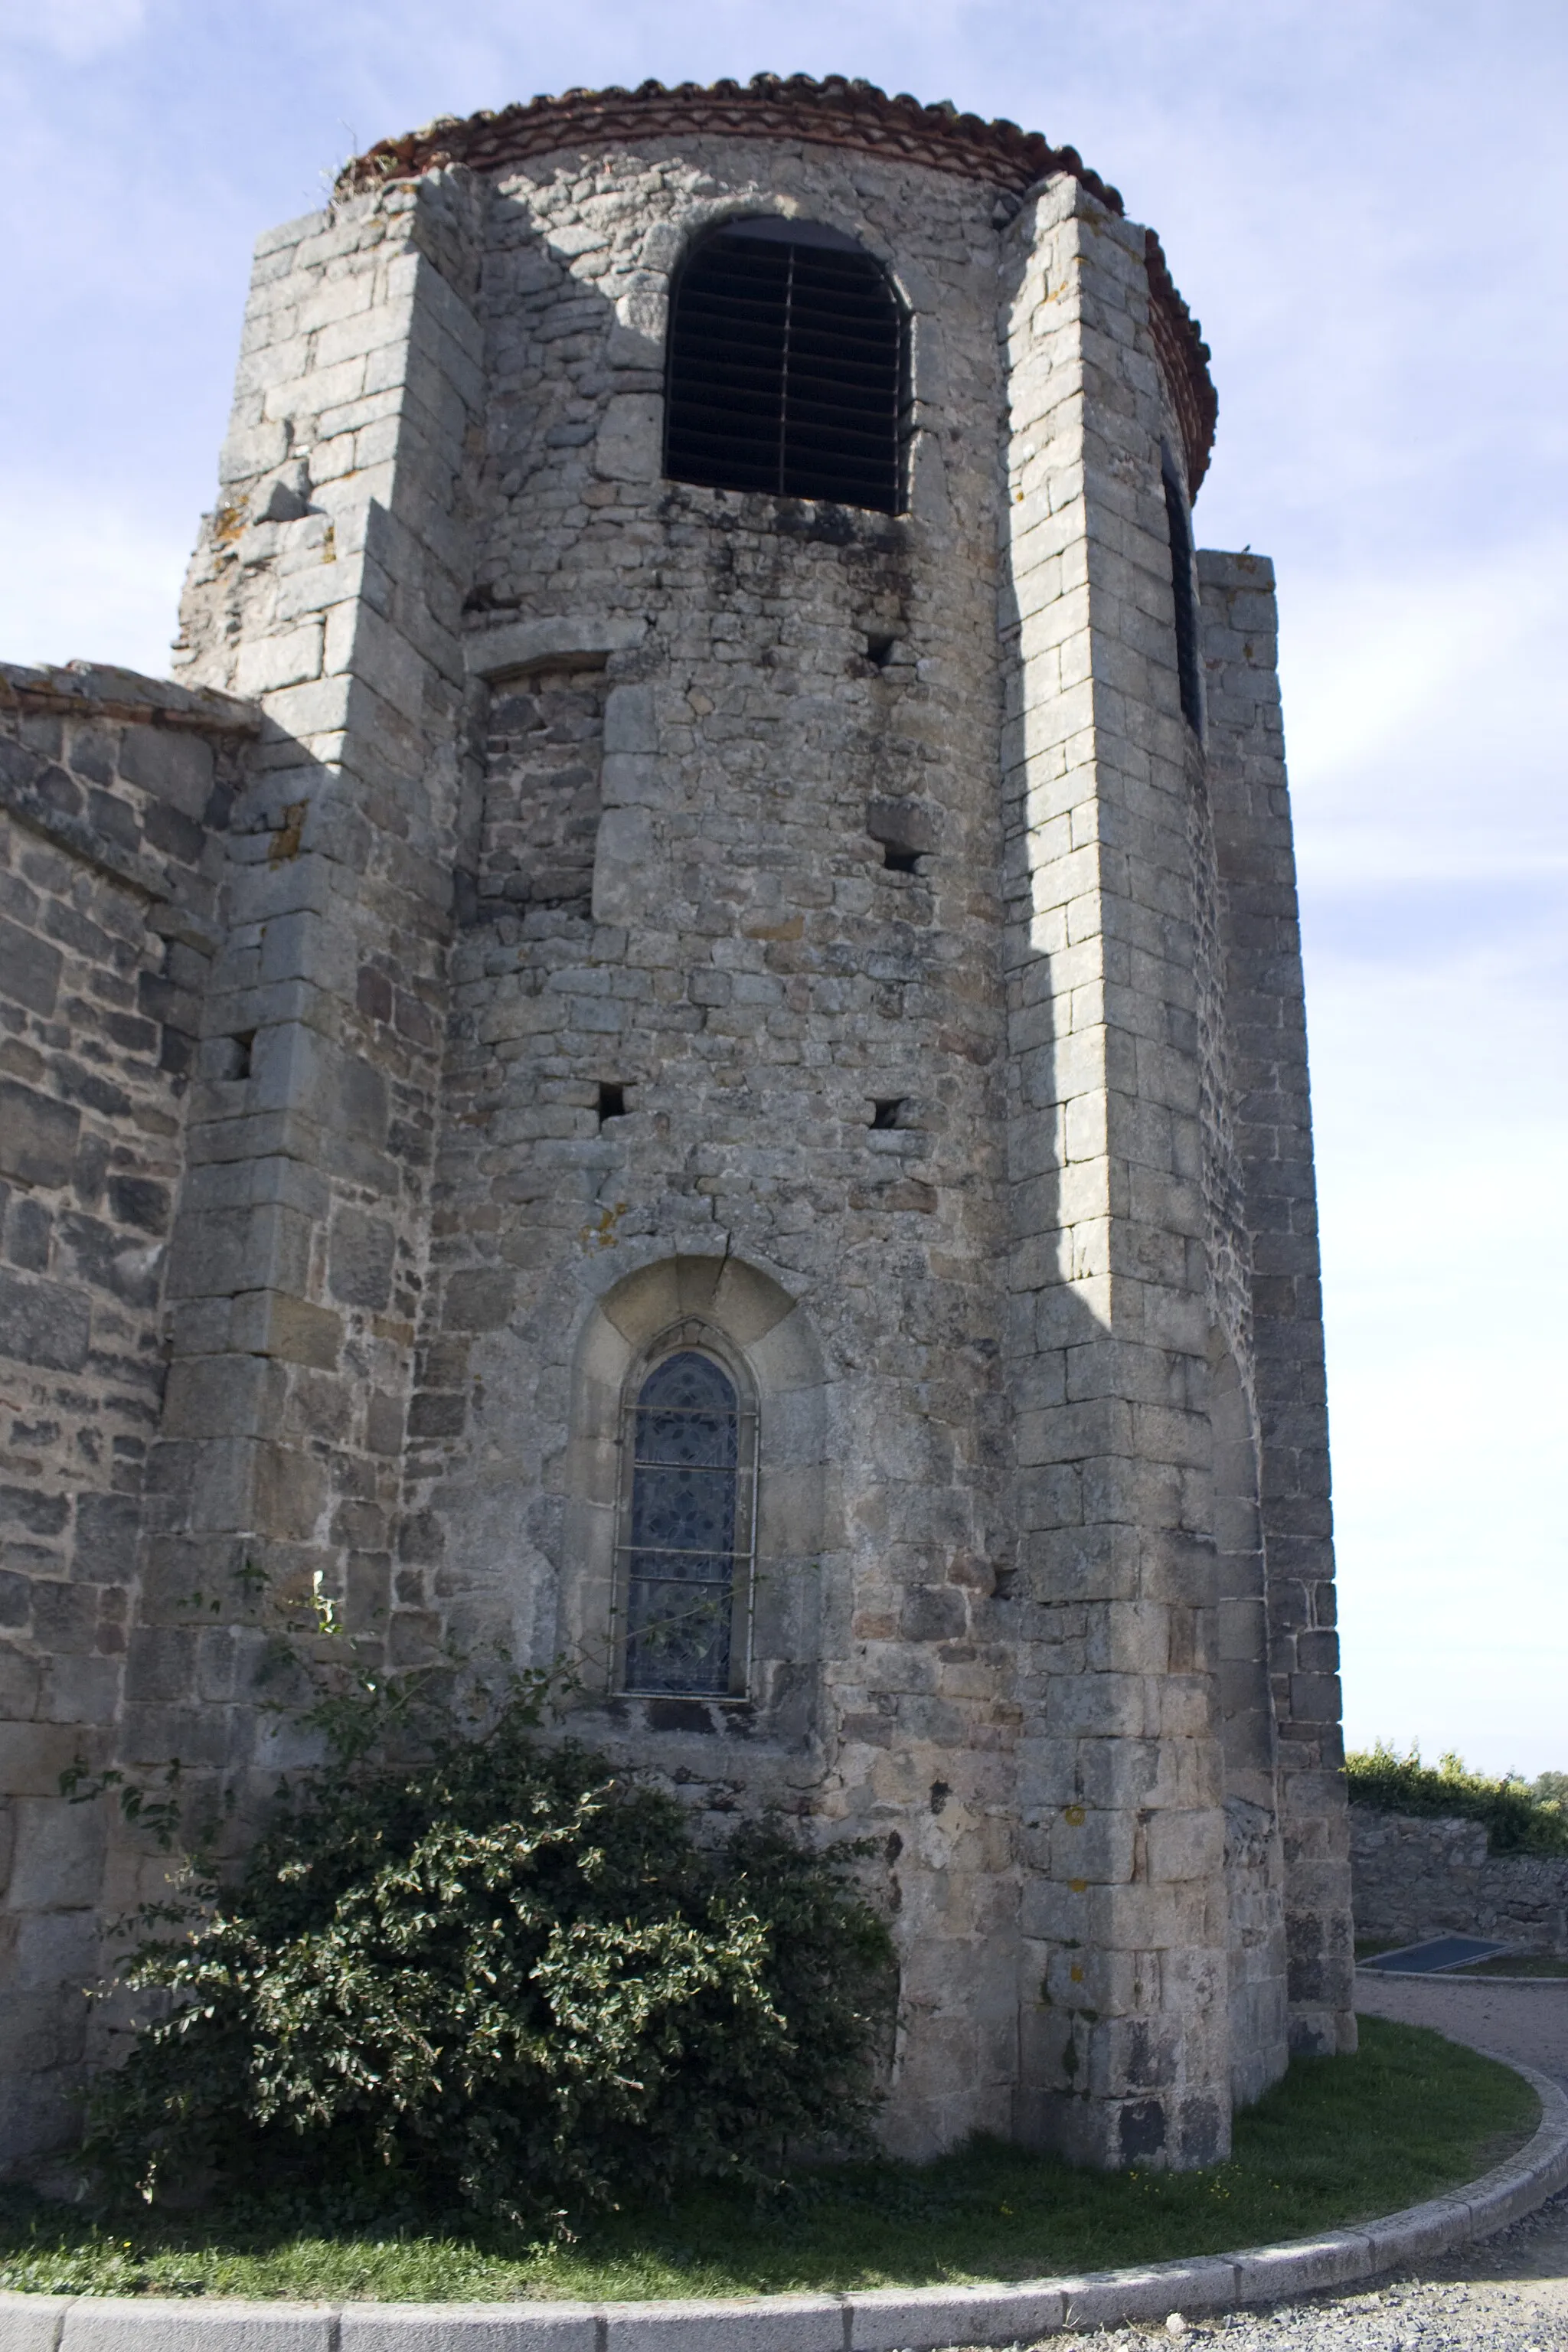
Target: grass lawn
[{"x": 1339, "y": 2140}]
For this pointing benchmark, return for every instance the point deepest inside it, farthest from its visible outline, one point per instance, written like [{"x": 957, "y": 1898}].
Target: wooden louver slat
[{"x": 785, "y": 373}]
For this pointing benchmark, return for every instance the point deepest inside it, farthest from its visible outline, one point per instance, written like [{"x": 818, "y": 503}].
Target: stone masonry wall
[
  {"x": 114, "y": 794},
  {"x": 783, "y": 689},
  {"x": 618, "y": 909},
  {"x": 1415, "y": 1877}
]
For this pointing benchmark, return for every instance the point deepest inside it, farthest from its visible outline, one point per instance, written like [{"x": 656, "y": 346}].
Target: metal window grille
[
  {"x": 787, "y": 367},
  {"x": 688, "y": 1518},
  {"x": 1186, "y": 606}
]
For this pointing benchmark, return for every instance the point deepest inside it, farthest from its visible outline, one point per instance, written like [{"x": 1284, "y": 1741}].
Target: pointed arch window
[
  {"x": 688, "y": 1512},
  {"x": 787, "y": 367}
]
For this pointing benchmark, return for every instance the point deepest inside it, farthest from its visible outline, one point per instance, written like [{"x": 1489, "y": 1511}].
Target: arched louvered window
[
  {"x": 687, "y": 1528},
  {"x": 787, "y": 367}
]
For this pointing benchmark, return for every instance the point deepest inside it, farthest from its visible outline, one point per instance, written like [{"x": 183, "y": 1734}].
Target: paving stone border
[{"x": 890, "y": 2319}]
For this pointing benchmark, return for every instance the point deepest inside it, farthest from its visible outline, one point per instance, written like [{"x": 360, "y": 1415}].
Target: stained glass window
[{"x": 681, "y": 1552}]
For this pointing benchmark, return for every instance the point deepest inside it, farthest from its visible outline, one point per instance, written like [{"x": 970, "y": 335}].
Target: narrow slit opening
[
  {"x": 239, "y": 1053},
  {"x": 1188, "y": 654},
  {"x": 612, "y": 1100},
  {"x": 879, "y": 651}
]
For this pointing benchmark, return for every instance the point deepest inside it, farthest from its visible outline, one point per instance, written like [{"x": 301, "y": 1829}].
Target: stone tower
[{"x": 724, "y": 1087}]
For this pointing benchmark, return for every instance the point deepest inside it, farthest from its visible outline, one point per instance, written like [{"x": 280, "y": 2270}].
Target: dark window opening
[
  {"x": 238, "y": 1058},
  {"x": 900, "y": 861},
  {"x": 879, "y": 651},
  {"x": 786, "y": 367},
  {"x": 1186, "y": 606},
  {"x": 685, "y": 1521},
  {"x": 885, "y": 1110},
  {"x": 612, "y": 1101}
]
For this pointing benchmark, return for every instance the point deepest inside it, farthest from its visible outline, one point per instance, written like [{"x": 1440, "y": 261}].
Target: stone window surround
[
  {"x": 642, "y": 323},
  {"x": 647, "y": 310},
  {"x": 763, "y": 1337}
]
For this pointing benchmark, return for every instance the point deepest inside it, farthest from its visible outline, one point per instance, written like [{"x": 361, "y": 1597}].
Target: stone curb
[{"x": 890, "y": 2319}]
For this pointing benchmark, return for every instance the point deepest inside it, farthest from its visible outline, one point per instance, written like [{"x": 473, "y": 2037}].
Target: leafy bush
[
  {"x": 504, "y": 1974},
  {"x": 1518, "y": 1818}
]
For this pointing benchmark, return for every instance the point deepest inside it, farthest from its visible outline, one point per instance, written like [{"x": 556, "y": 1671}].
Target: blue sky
[{"x": 1362, "y": 200}]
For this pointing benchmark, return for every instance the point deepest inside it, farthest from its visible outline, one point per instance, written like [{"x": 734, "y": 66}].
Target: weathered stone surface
[
  {"x": 1272, "y": 1123},
  {"x": 105, "y": 951}
]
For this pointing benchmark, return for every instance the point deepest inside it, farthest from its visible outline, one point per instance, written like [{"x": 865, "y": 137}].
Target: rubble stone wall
[
  {"x": 1412, "y": 1876},
  {"x": 114, "y": 798},
  {"x": 779, "y": 688}
]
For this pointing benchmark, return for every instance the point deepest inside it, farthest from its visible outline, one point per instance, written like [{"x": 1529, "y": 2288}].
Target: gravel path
[
  {"x": 1527, "y": 2020},
  {"x": 1509, "y": 2293}
]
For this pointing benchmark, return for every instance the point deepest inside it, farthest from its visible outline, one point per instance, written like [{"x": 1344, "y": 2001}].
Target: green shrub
[
  {"x": 506, "y": 1976},
  {"x": 1518, "y": 1818}
]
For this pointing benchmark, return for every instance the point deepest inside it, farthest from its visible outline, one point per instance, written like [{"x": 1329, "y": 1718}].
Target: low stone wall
[
  {"x": 1415, "y": 1877},
  {"x": 114, "y": 793}
]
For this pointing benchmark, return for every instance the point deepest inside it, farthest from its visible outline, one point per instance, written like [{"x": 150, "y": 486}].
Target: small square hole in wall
[
  {"x": 612, "y": 1100},
  {"x": 904, "y": 829},
  {"x": 879, "y": 650},
  {"x": 885, "y": 1110},
  {"x": 238, "y": 1055}
]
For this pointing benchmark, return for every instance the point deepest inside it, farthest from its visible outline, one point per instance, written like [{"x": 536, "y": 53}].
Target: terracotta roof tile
[{"x": 835, "y": 112}]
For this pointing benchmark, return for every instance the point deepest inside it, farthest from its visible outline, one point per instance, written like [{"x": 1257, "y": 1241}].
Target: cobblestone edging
[{"x": 892, "y": 2320}]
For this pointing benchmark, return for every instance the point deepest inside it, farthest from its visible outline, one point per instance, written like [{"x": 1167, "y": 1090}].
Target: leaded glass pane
[
  {"x": 683, "y": 1510},
  {"x": 677, "y": 1633},
  {"x": 686, "y": 1412},
  {"x": 681, "y": 1571}
]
